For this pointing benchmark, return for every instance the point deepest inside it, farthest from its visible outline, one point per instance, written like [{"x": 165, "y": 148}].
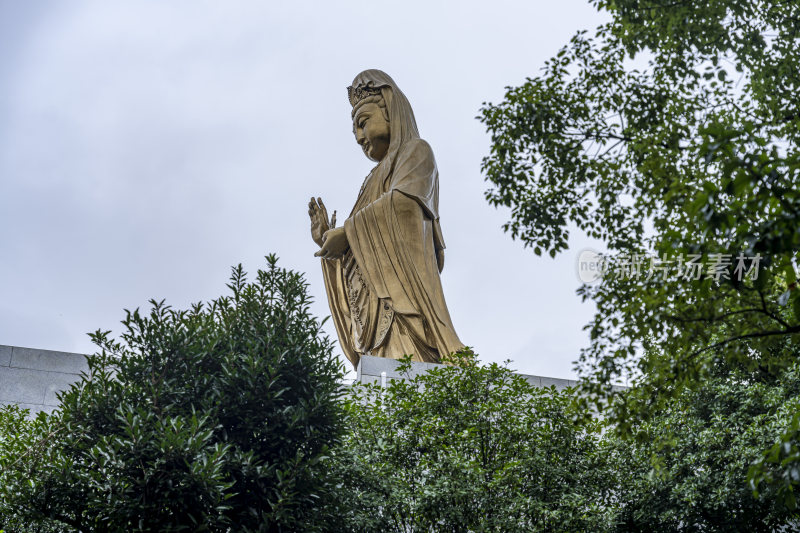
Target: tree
[
  {"x": 671, "y": 135},
  {"x": 477, "y": 448},
  {"x": 473, "y": 448},
  {"x": 215, "y": 418},
  {"x": 686, "y": 468},
  {"x": 778, "y": 467}
]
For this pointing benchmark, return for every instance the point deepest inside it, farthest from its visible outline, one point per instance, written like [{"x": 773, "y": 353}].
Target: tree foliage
[
  {"x": 478, "y": 448},
  {"x": 672, "y": 130},
  {"x": 215, "y": 418},
  {"x": 19, "y": 435},
  {"x": 473, "y": 448},
  {"x": 686, "y": 468},
  {"x": 466, "y": 447}
]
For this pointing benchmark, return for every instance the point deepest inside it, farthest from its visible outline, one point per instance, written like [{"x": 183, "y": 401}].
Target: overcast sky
[{"x": 145, "y": 147}]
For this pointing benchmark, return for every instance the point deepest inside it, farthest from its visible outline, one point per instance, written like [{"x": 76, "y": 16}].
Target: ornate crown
[{"x": 356, "y": 94}]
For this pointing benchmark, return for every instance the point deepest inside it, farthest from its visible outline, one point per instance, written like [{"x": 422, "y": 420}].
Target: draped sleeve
[{"x": 336, "y": 289}]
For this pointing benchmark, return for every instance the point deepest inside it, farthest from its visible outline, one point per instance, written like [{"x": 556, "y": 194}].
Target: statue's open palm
[{"x": 319, "y": 220}]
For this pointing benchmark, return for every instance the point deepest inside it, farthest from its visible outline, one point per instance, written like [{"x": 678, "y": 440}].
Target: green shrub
[
  {"x": 20, "y": 436},
  {"x": 686, "y": 468},
  {"x": 215, "y": 418},
  {"x": 472, "y": 448}
]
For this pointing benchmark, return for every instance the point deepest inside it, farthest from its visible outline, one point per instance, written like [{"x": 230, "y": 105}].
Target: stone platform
[{"x": 370, "y": 369}]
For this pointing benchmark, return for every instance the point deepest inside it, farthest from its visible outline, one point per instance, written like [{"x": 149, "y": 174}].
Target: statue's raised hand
[{"x": 319, "y": 220}]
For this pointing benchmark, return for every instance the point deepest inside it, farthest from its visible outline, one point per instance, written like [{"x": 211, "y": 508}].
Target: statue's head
[
  {"x": 382, "y": 117},
  {"x": 371, "y": 125}
]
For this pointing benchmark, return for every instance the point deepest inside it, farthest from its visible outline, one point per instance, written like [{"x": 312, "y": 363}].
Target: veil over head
[{"x": 402, "y": 125}]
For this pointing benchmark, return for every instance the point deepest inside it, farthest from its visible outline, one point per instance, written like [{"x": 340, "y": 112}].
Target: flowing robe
[{"x": 385, "y": 293}]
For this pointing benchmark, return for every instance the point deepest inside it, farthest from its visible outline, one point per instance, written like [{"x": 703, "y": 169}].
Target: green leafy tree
[
  {"x": 671, "y": 131},
  {"x": 473, "y": 448},
  {"x": 778, "y": 467},
  {"x": 215, "y": 418},
  {"x": 686, "y": 468}
]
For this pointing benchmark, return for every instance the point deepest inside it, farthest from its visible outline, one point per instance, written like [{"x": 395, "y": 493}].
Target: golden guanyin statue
[{"x": 381, "y": 268}]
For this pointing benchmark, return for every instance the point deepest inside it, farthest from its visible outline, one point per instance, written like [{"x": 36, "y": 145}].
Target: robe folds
[{"x": 385, "y": 293}]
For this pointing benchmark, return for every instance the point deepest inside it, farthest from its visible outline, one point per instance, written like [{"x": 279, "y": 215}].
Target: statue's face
[{"x": 371, "y": 131}]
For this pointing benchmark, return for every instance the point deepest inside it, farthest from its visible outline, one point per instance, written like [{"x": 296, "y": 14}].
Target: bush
[
  {"x": 20, "y": 436},
  {"x": 472, "y": 448},
  {"x": 686, "y": 469},
  {"x": 215, "y": 418}
]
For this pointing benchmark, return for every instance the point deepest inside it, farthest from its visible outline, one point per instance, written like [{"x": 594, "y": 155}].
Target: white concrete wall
[
  {"x": 32, "y": 378},
  {"x": 370, "y": 368}
]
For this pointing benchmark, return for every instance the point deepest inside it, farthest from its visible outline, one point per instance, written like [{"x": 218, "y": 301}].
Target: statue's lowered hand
[{"x": 334, "y": 244}]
